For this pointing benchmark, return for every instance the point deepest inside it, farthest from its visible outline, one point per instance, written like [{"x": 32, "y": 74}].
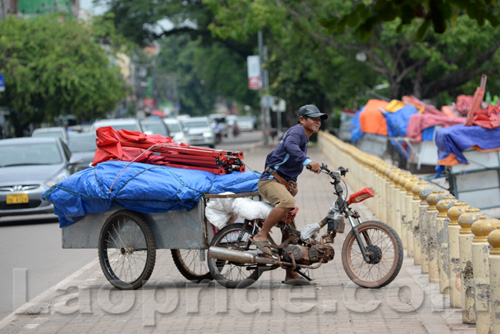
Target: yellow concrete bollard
[
  {"x": 480, "y": 252},
  {"x": 454, "y": 253},
  {"x": 395, "y": 198},
  {"x": 417, "y": 256},
  {"x": 465, "y": 220},
  {"x": 402, "y": 208},
  {"x": 383, "y": 194},
  {"x": 442, "y": 241},
  {"x": 376, "y": 188},
  {"x": 389, "y": 191},
  {"x": 422, "y": 223},
  {"x": 431, "y": 231},
  {"x": 409, "y": 214},
  {"x": 494, "y": 271}
]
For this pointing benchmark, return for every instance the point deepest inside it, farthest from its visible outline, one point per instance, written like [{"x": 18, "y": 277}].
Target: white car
[
  {"x": 246, "y": 123},
  {"x": 177, "y": 131},
  {"x": 54, "y": 132},
  {"x": 130, "y": 124},
  {"x": 200, "y": 132},
  {"x": 28, "y": 167}
]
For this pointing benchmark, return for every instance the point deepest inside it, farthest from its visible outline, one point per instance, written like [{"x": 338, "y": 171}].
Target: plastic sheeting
[
  {"x": 397, "y": 122},
  {"x": 453, "y": 140},
  {"x": 139, "y": 187},
  {"x": 372, "y": 120},
  {"x": 220, "y": 210}
]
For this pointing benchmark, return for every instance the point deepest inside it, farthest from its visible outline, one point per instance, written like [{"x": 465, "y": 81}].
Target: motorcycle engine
[{"x": 309, "y": 254}]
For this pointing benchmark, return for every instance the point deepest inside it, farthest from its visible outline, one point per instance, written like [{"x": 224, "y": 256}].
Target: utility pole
[{"x": 264, "y": 109}]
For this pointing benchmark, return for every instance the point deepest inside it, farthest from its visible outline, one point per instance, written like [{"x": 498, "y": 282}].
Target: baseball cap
[{"x": 310, "y": 110}]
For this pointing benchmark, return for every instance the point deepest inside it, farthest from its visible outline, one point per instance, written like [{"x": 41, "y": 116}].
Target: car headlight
[
  {"x": 207, "y": 134},
  {"x": 57, "y": 178}
]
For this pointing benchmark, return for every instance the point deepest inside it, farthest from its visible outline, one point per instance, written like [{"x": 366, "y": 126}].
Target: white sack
[
  {"x": 219, "y": 211},
  {"x": 249, "y": 209}
]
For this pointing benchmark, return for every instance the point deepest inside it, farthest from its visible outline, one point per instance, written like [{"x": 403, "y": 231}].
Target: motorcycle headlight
[
  {"x": 207, "y": 134},
  {"x": 57, "y": 178}
]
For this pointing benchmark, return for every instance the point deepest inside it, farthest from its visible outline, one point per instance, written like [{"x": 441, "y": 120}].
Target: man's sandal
[{"x": 262, "y": 245}]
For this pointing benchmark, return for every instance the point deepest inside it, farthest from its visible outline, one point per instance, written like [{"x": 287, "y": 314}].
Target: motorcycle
[{"x": 372, "y": 252}]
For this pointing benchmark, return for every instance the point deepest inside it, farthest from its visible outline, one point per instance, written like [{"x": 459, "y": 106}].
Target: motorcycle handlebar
[{"x": 324, "y": 168}]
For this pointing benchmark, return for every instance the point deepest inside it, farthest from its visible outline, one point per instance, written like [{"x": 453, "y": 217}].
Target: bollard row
[{"x": 454, "y": 244}]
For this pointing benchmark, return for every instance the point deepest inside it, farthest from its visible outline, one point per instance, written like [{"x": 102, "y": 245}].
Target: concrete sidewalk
[{"x": 86, "y": 302}]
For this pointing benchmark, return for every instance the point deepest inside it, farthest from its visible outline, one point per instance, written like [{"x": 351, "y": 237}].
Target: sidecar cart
[{"x": 127, "y": 241}]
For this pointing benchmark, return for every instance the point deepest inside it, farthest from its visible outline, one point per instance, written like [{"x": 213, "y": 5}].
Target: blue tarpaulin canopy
[
  {"x": 456, "y": 139},
  {"x": 139, "y": 187}
]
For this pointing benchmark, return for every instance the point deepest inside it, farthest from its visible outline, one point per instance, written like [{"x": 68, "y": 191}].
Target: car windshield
[
  {"x": 196, "y": 124},
  {"x": 30, "y": 154},
  {"x": 82, "y": 144},
  {"x": 155, "y": 128},
  {"x": 48, "y": 134},
  {"x": 174, "y": 127},
  {"x": 129, "y": 127}
]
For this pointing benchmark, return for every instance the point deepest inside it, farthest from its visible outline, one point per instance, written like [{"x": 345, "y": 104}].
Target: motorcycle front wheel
[
  {"x": 384, "y": 250},
  {"x": 232, "y": 274}
]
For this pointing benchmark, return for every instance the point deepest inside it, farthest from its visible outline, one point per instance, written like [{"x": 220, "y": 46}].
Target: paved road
[
  {"x": 168, "y": 303},
  {"x": 32, "y": 259}
]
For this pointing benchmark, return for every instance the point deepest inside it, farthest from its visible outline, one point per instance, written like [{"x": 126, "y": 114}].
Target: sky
[{"x": 90, "y": 8}]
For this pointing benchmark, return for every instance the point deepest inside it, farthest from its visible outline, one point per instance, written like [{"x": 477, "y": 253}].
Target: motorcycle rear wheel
[
  {"x": 385, "y": 252},
  {"x": 228, "y": 273}
]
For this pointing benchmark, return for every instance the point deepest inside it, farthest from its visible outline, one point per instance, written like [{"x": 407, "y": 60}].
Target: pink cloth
[{"x": 420, "y": 122}]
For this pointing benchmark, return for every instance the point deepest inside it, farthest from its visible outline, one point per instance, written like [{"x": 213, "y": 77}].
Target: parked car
[
  {"x": 28, "y": 167},
  {"x": 246, "y": 123},
  {"x": 156, "y": 127},
  {"x": 130, "y": 124},
  {"x": 53, "y": 132},
  {"x": 82, "y": 146},
  {"x": 200, "y": 132},
  {"x": 219, "y": 123},
  {"x": 177, "y": 131}
]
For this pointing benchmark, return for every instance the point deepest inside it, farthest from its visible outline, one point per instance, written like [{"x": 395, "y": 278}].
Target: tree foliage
[
  {"x": 437, "y": 65},
  {"x": 52, "y": 66},
  {"x": 365, "y": 16},
  {"x": 206, "y": 68}
]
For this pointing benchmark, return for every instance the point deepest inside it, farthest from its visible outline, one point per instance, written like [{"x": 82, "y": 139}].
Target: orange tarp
[{"x": 372, "y": 120}]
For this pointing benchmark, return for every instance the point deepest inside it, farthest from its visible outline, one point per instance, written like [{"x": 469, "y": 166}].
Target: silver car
[
  {"x": 177, "y": 131},
  {"x": 82, "y": 146},
  {"x": 155, "y": 127},
  {"x": 200, "y": 131},
  {"x": 28, "y": 167},
  {"x": 57, "y": 131},
  {"x": 130, "y": 124}
]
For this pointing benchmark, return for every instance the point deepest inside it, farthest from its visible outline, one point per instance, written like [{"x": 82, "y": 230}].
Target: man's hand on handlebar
[{"x": 314, "y": 167}]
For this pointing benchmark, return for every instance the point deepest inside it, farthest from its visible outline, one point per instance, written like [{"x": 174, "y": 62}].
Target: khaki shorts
[{"x": 276, "y": 194}]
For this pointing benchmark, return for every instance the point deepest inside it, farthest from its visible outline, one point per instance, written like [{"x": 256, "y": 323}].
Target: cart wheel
[
  {"x": 127, "y": 250},
  {"x": 192, "y": 264}
]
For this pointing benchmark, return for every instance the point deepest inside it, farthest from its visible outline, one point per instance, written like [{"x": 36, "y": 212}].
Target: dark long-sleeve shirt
[{"x": 290, "y": 156}]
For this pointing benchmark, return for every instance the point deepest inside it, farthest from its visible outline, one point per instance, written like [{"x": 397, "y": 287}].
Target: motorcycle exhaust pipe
[{"x": 221, "y": 253}]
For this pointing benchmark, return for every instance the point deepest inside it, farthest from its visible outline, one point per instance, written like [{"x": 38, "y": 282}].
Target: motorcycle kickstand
[{"x": 304, "y": 275}]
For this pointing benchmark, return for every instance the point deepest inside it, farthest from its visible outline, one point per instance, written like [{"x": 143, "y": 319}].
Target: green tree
[
  {"x": 53, "y": 66},
  {"x": 439, "y": 65},
  {"x": 205, "y": 67},
  {"x": 365, "y": 16}
]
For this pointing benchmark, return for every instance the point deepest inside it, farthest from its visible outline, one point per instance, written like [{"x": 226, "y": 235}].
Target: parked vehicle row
[{"x": 31, "y": 165}]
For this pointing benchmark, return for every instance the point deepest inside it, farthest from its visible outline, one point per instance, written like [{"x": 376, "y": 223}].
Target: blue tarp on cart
[
  {"x": 139, "y": 187},
  {"x": 452, "y": 141}
]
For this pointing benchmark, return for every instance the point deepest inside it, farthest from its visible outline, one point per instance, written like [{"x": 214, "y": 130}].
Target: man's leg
[{"x": 274, "y": 218}]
